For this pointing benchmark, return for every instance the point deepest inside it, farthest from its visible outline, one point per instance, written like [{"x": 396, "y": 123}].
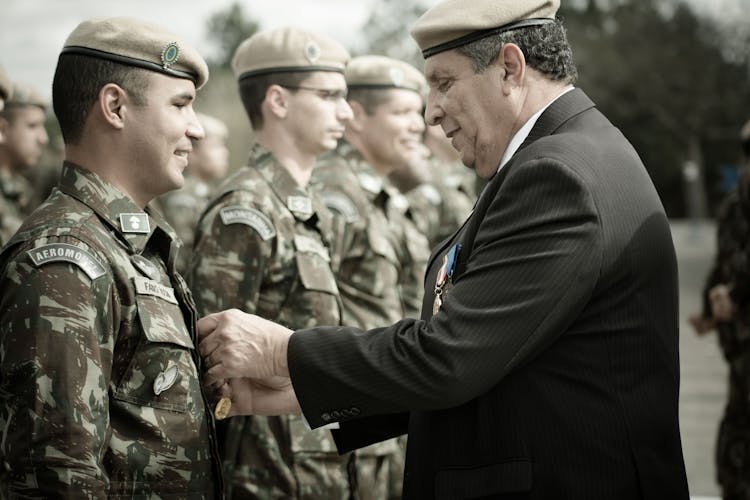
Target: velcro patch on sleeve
[
  {"x": 249, "y": 217},
  {"x": 63, "y": 252}
]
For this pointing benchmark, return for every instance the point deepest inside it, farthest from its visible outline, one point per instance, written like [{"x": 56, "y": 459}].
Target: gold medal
[{"x": 222, "y": 408}]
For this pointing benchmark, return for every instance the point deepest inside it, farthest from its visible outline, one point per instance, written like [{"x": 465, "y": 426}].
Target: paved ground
[{"x": 703, "y": 383}]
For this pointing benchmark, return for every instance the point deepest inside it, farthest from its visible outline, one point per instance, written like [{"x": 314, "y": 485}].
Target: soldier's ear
[
  {"x": 112, "y": 103},
  {"x": 277, "y": 101},
  {"x": 358, "y": 116}
]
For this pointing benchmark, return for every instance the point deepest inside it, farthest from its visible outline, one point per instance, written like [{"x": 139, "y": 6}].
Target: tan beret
[
  {"x": 384, "y": 72},
  {"x": 212, "y": 126},
  {"x": 288, "y": 50},
  {"x": 26, "y": 95},
  {"x": 137, "y": 43},
  {"x": 453, "y": 23},
  {"x": 6, "y": 88}
]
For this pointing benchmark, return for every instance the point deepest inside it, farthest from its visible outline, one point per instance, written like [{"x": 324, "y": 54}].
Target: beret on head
[
  {"x": 137, "y": 43},
  {"x": 6, "y": 88},
  {"x": 453, "y": 23},
  {"x": 26, "y": 95},
  {"x": 384, "y": 72},
  {"x": 288, "y": 50}
]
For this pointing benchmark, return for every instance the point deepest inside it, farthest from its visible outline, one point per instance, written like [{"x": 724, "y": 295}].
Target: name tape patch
[
  {"x": 63, "y": 252},
  {"x": 249, "y": 217},
  {"x": 145, "y": 286}
]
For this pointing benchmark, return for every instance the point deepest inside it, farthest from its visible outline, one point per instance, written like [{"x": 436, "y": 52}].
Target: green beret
[
  {"x": 454, "y": 23},
  {"x": 285, "y": 50},
  {"x": 6, "y": 88},
  {"x": 26, "y": 95},
  {"x": 383, "y": 72},
  {"x": 137, "y": 43}
]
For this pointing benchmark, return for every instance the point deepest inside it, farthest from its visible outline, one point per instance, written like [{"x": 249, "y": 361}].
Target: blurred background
[{"x": 673, "y": 75}]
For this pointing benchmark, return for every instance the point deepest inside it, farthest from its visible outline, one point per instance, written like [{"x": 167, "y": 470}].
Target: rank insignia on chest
[
  {"x": 445, "y": 276},
  {"x": 300, "y": 204},
  {"x": 135, "y": 223}
]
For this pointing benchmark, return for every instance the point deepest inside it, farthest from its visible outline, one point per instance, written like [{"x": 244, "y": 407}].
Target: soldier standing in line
[
  {"x": 265, "y": 245},
  {"x": 383, "y": 263},
  {"x": 207, "y": 164},
  {"x": 24, "y": 139},
  {"x": 99, "y": 375}
]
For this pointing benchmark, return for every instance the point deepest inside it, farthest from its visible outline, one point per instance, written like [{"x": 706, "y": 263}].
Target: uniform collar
[{"x": 120, "y": 213}]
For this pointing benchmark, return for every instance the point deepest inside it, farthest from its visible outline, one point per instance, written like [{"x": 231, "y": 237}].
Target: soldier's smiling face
[{"x": 161, "y": 134}]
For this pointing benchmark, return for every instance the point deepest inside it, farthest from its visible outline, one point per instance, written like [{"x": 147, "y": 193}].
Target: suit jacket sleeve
[{"x": 530, "y": 271}]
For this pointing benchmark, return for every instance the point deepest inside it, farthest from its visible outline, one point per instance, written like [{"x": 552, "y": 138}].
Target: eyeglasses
[{"x": 325, "y": 94}]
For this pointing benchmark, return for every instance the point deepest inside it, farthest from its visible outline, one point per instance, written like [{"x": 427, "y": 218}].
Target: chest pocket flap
[
  {"x": 314, "y": 265},
  {"x": 160, "y": 314}
]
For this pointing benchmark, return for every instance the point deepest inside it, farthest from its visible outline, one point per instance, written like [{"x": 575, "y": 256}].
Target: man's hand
[
  {"x": 722, "y": 307},
  {"x": 267, "y": 397},
  {"x": 239, "y": 345}
]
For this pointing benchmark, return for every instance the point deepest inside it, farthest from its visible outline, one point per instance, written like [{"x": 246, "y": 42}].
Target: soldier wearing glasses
[{"x": 265, "y": 245}]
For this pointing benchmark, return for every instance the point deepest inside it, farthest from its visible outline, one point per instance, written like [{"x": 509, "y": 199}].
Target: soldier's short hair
[
  {"x": 76, "y": 85},
  {"x": 253, "y": 91}
]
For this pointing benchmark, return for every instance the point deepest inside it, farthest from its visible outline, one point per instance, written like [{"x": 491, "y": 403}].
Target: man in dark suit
[{"x": 545, "y": 363}]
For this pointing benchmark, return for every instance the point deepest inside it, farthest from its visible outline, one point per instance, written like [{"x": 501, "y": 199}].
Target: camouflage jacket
[
  {"x": 15, "y": 203},
  {"x": 382, "y": 266},
  {"x": 441, "y": 206},
  {"x": 182, "y": 208},
  {"x": 263, "y": 245},
  {"x": 100, "y": 395}
]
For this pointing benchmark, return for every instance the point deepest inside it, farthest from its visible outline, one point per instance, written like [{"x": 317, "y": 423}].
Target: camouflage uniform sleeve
[
  {"x": 56, "y": 341},
  {"x": 232, "y": 250},
  {"x": 416, "y": 253}
]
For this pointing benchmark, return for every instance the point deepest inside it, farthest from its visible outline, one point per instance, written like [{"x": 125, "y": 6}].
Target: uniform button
[
  {"x": 325, "y": 417},
  {"x": 336, "y": 414}
]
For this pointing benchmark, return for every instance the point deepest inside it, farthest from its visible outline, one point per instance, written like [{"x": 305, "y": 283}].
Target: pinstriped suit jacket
[{"x": 551, "y": 370}]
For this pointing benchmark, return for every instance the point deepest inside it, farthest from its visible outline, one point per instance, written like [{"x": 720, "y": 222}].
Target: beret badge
[
  {"x": 169, "y": 54},
  {"x": 396, "y": 76},
  {"x": 312, "y": 51}
]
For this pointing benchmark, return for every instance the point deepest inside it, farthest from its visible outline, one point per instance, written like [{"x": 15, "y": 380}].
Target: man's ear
[
  {"x": 112, "y": 104},
  {"x": 277, "y": 101},
  {"x": 358, "y": 116},
  {"x": 513, "y": 63}
]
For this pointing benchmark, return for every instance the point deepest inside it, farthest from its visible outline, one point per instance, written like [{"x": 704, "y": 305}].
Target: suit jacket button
[{"x": 325, "y": 417}]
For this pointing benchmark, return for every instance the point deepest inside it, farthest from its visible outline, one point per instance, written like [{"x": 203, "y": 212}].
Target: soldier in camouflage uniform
[
  {"x": 207, "y": 164},
  {"x": 265, "y": 245},
  {"x": 382, "y": 266},
  {"x": 727, "y": 308},
  {"x": 24, "y": 139},
  {"x": 101, "y": 394}
]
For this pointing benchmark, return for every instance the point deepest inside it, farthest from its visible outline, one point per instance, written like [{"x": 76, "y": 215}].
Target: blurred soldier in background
[
  {"x": 265, "y": 245},
  {"x": 383, "y": 263},
  {"x": 99, "y": 376},
  {"x": 207, "y": 164},
  {"x": 24, "y": 138},
  {"x": 6, "y": 90}
]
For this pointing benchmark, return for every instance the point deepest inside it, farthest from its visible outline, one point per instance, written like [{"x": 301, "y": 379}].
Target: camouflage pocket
[
  {"x": 381, "y": 245},
  {"x": 315, "y": 273},
  {"x": 161, "y": 370}
]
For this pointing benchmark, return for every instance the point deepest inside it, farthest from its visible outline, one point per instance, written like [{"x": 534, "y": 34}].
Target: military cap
[
  {"x": 130, "y": 41},
  {"x": 285, "y": 50},
  {"x": 454, "y": 23},
  {"x": 26, "y": 95},
  {"x": 6, "y": 88},
  {"x": 383, "y": 72}
]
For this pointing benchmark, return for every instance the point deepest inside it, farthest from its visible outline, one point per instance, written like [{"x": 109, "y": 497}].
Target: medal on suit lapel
[{"x": 444, "y": 275}]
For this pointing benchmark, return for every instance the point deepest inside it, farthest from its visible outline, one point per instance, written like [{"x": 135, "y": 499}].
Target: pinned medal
[
  {"x": 222, "y": 408},
  {"x": 165, "y": 379},
  {"x": 445, "y": 275}
]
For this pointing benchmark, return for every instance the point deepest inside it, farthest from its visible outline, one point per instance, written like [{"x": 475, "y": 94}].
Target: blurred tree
[
  {"x": 385, "y": 37},
  {"x": 226, "y": 29}
]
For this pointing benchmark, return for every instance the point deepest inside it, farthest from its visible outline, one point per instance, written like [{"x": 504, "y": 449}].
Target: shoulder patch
[
  {"x": 341, "y": 203},
  {"x": 63, "y": 252},
  {"x": 249, "y": 217}
]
